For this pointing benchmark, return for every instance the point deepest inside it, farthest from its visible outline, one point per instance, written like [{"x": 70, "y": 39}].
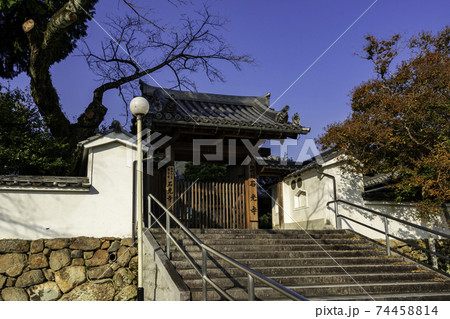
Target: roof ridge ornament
[
  {"x": 282, "y": 116},
  {"x": 296, "y": 119},
  {"x": 156, "y": 100},
  {"x": 170, "y": 106},
  {"x": 163, "y": 103}
]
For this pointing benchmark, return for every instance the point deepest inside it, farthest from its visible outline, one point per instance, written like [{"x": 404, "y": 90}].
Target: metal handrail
[
  {"x": 386, "y": 228},
  {"x": 252, "y": 274}
]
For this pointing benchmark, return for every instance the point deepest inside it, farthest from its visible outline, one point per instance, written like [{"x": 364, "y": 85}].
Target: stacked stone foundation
[
  {"x": 442, "y": 247},
  {"x": 81, "y": 268}
]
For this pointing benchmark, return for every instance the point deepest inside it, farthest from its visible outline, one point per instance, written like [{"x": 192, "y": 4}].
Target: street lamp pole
[{"x": 139, "y": 107}]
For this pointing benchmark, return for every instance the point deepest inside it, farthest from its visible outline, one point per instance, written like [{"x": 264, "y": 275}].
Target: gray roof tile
[
  {"x": 253, "y": 112},
  {"x": 45, "y": 181},
  {"x": 379, "y": 179}
]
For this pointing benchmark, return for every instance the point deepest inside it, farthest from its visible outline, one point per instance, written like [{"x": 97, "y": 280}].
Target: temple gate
[{"x": 198, "y": 127}]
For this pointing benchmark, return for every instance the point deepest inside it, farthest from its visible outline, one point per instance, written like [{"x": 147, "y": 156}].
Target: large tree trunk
[
  {"x": 90, "y": 120},
  {"x": 42, "y": 48},
  {"x": 47, "y": 100}
]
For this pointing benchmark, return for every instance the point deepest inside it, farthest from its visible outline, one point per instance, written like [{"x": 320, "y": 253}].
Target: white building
[
  {"x": 100, "y": 204},
  {"x": 306, "y": 192}
]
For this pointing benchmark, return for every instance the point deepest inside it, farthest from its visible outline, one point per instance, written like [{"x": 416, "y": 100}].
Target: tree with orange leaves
[{"x": 400, "y": 120}]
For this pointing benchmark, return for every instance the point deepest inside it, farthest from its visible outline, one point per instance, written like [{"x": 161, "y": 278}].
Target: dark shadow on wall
[{"x": 312, "y": 208}]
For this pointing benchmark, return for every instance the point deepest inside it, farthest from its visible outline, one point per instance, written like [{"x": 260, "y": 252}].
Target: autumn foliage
[{"x": 400, "y": 120}]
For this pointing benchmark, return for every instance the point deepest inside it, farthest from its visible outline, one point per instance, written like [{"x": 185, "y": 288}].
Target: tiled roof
[
  {"x": 315, "y": 162},
  {"x": 56, "y": 182},
  {"x": 277, "y": 163},
  {"x": 249, "y": 112},
  {"x": 377, "y": 180},
  {"x": 115, "y": 127}
]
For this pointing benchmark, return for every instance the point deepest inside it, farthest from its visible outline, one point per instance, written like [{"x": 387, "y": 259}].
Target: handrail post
[
  {"x": 386, "y": 232},
  {"x": 167, "y": 235},
  {"x": 338, "y": 217},
  {"x": 204, "y": 273},
  {"x": 251, "y": 288},
  {"x": 432, "y": 245},
  {"x": 149, "y": 201}
]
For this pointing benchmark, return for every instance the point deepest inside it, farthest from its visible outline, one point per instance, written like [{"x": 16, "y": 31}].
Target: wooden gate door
[{"x": 210, "y": 205}]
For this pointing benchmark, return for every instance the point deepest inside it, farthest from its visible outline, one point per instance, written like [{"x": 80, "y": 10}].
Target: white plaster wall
[
  {"x": 349, "y": 187},
  {"x": 106, "y": 210},
  {"x": 404, "y": 211},
  {"x": 315, "y": 213}
]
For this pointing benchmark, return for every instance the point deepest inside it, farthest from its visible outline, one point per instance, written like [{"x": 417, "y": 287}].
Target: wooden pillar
[
  {"x": 251, "y": 190},
  {"x": 170, "y": 185},
  {"x": 280, "y": 204}
]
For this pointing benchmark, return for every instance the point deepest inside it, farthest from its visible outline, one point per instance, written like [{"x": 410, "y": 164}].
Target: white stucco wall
[
  {"x": 105, "y": 210},
  {"x": 314, "y": 214},
  {"x": 319, "y": 190}
]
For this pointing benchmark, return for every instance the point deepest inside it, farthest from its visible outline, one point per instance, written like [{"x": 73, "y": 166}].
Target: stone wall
[
  {"x": 81, "y": 268},
  {"x": 442, "y": 247}
]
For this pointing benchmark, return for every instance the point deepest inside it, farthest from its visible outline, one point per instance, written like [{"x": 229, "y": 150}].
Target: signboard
[
  {"x": 170, "y": 186},
  {"x": 252, "y": 196}
]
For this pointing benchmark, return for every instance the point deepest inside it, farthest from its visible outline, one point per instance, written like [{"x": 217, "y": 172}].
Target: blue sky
[{"x": 285, "y": 38}]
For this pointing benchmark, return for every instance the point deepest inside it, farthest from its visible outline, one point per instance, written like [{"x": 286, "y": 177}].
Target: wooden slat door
[{"x": 210, "y": 205}]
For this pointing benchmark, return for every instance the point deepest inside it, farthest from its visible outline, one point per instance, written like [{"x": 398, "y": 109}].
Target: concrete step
[
  {"x": 159, "y": 236},
  {"x": 282, "y": 241},
  {"x": 347, "y": 290},
  {"x": 295, "y": 262},
  {"x": 215, "y": 272},
  {"x": 270, "y": 241},
  {"x": 285, "y": 241},
  {"x": 287, "y": 254},
  {"x": 224, "y": 248},
  {"x": 423, "y": 296},
  {"x": 216, "y": 231},
  {"x": 233, "y": 281}
]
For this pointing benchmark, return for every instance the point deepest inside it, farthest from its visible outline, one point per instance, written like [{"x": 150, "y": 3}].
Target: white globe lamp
[{"x": 139, "y": 106}]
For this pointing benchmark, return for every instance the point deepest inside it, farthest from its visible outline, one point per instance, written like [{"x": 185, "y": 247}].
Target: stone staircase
[{"x": 318, "y": 264}]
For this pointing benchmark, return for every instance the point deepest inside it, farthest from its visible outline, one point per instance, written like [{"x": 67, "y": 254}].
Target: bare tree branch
[
  {"x": 136, "y": 11},
  {"x": 140, "y": 48}
]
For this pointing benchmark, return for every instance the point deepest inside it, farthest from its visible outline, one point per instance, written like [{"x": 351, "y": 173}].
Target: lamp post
[{"x": 139, "y": 107}]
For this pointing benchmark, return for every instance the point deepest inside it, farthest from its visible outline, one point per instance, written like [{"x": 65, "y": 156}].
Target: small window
[
  {"x": 296, "y": 183},
  {"x": 293, "y": 184},
  {"x": 300, "y": 199}
]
